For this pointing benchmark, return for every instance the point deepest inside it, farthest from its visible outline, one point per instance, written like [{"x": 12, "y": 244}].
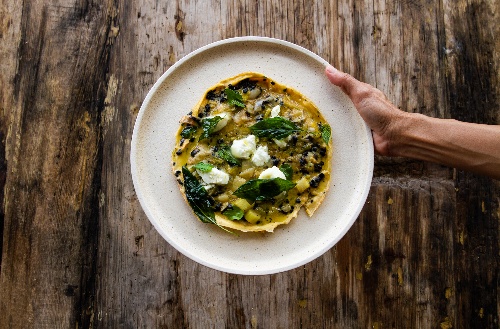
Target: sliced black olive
[
  {"x": 316, "y": 180},
  {"x": 195, "y": 151},
  {"x": 218, "y": 206},
  {"x": 196, "y": 119},
  {"x": 246, "y": 84},
  {"x": 211, "y": 95}
]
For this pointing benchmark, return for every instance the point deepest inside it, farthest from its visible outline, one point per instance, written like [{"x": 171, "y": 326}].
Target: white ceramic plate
[{"x": 290, "y": 246}]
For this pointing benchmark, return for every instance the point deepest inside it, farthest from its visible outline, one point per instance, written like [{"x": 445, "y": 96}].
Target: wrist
[
  {"x": 424, "y": 138},
  {"x": 402, "y": 131}
]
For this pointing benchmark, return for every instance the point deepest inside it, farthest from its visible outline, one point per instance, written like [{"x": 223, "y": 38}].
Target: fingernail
[{"x": 331, "y": 69}]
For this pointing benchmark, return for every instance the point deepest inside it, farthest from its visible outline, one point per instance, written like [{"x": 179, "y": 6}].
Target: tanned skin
[{"x": 468, "y": 146}]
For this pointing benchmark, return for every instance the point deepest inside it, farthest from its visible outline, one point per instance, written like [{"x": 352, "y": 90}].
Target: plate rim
[{"x": 156, "y": 224}]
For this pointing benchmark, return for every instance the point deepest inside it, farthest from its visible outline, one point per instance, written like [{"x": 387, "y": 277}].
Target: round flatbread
[{"x": 251, "y": 153}]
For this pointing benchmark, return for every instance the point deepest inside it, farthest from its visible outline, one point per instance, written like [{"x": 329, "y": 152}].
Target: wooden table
[{"x": 79, "y": 252}]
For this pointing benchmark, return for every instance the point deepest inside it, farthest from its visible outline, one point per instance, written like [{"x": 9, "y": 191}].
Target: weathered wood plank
[
  {"x": 473, "y": 94},
  {"x": 53, "y": 163},
  {"x": 9, "y": 34},
  {"x": 138, "y": 283},
  {"x": 404, "y": 234}
]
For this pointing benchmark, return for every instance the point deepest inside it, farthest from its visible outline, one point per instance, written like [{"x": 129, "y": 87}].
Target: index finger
[
  {"x": 345, "y": 81},
  {"x": 355, "y": 89}
]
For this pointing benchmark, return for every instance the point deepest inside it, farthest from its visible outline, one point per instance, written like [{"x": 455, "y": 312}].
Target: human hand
[
  {"x": 384, "y": 119},
  {"x": 450, "y": 142}
]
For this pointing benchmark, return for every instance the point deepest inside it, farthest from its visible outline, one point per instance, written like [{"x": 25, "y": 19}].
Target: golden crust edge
[
  {"x": 318, "y": 200},
  {"x": 232, "y": 80},
  {"x": 227, "y": 223}
]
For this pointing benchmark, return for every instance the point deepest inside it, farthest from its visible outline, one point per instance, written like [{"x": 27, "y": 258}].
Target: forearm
[{"x": 468, "y": 146}]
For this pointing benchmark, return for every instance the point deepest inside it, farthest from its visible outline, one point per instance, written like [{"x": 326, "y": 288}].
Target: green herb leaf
[
  {"x": 198, "y": 199},
  {"x": 263, "y": 189},
  {"x": 234, "y": 97},
  {"x": 287, "y": 170},
  {"x": 188, "y": 132},
  {"x": 326, "y": 132},
  {"x": 208, "y": 125},
  {"x": 224, "y": 153},
  {"x": 203, "y": 166},
  {"x": 277, "y": 127},
  {"x": 234, "y": 213}
]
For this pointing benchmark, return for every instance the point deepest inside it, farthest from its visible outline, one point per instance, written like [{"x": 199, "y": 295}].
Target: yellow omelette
[{"x": 251, "y": 153}]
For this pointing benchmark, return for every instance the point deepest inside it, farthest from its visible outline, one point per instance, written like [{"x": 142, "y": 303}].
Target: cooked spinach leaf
[
  {"x": 326, "y": 132},
  {"x": 234, "y": 97},
  {"x": 233, "y": 213},
  {"x": 198, "y": 198},
  {"x": 208, "y": 125},
  {"x": 263, "y": 189},
  {"x": 287, "y": 170},
  {"x": 188, "y": 132},
  {"x": 224, "y": 153},
  {"x": 203, "y": 166},
  {"x": 277, "y": 127}
]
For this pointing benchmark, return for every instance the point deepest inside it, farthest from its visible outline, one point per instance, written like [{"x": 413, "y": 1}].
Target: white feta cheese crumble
[
  {"x": 271, "y": 173},
  {"x": 223, "y": 122},
  {"x": 214, "y": 176},
  {"x": 244, "y": 148},
  {"x": 275, "y": 111},
  {"x": 261, "y": 157}
]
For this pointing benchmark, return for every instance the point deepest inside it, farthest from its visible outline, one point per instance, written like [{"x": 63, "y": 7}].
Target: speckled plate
[{"x": 292, "y": 245}]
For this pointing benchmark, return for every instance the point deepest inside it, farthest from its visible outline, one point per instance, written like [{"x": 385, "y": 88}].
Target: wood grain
[{"x": 77, "y": 249}]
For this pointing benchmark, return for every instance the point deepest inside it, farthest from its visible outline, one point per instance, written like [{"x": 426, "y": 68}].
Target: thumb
[{"x": 346, "y": 82}]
